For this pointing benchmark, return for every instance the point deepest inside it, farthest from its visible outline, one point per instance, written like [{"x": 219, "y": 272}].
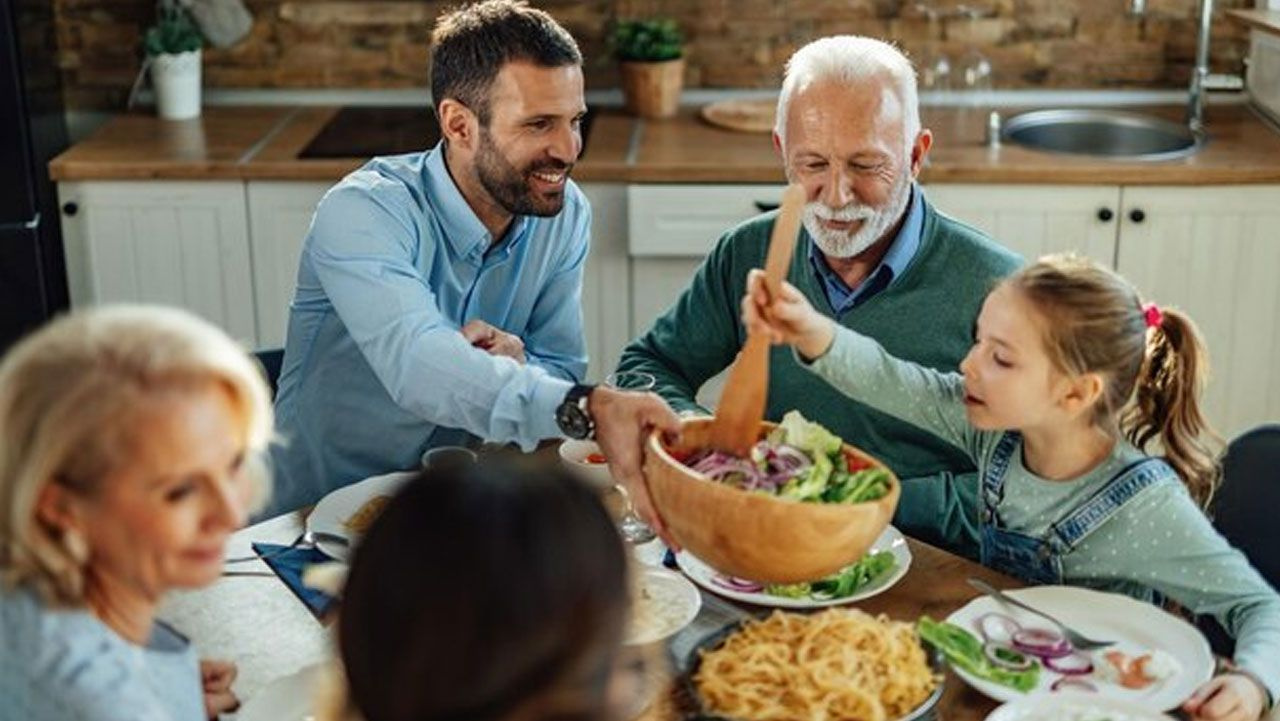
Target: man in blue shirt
[{"x": 439, "y": 293}]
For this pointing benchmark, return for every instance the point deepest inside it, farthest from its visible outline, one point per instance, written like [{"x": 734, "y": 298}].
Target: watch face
[{"x": 573, "y": 421}]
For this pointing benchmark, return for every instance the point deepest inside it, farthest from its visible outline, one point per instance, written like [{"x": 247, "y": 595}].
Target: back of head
[
  {"x": 852, "y": 60},
  {"x": 67, "y": 393},
  {"x": 492, "y": 591},
  {"x": 470, "y": 45},
  {"x": 1152, "y": 360}
]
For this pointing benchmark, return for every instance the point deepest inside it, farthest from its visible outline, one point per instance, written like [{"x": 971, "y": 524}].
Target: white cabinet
[
  {"x": 174, "y": 243},
  {"x": 606, "y": 283},
  {"x": 1035, "y": 220},
  {"x": 1214, "y": 252},
  {"x": 672, "y": 228},
  {"x": 279, "y": 216}
]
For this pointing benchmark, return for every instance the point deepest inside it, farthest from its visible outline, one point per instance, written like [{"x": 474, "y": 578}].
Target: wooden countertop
[
  {"x": 1265, "y": 20},
  {"x": 263, "y": 143}
]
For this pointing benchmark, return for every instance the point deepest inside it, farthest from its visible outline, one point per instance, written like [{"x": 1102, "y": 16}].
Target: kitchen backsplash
[{"x": 731, "y": 43}]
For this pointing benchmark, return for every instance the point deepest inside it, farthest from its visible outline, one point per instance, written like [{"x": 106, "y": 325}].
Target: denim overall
[{"x": 1039, "y": 560}]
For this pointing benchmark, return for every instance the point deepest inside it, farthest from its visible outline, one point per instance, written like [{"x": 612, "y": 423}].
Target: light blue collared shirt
[
  {"x": 375, "y": 369},
  {"x": 63, "y": 664},
  {"x": 901, "y": 251}
]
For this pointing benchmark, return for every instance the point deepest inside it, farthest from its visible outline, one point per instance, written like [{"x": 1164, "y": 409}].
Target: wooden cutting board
[{"x": 746, "y": 116}]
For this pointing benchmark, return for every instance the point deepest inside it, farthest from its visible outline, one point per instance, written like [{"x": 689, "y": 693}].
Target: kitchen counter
[{"x": 262, "y": 143}]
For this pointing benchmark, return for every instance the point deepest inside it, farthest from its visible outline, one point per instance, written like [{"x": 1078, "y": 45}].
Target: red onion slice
[
  {"x": 997, "y": 627},
  {"x": 1074, "y": 683},
  {"x": 737, "y": 584},
  {"x": 1073, "y": 664},
  {"x": 1041, "y": 642}
]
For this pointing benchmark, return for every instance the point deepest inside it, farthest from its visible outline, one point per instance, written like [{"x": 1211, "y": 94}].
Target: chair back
[
  {"x": 271, "y": 359},
  {"x": 1246, "y": 508}
]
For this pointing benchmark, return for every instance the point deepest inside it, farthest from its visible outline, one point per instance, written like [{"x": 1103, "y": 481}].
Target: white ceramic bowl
[{"x": 573, "y": 453}]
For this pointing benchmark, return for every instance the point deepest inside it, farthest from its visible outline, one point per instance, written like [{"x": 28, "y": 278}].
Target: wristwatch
[{"x": 572, "y": 416}]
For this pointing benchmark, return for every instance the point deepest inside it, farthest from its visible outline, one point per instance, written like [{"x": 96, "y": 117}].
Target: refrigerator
[{"x": 33, "y": 279}]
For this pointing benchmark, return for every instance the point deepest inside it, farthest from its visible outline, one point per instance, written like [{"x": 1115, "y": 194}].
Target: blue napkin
[{"x": 289, "y": 563}]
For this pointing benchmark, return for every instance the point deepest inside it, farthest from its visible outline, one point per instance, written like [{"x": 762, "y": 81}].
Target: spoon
[{"x": 737, "y": 421}]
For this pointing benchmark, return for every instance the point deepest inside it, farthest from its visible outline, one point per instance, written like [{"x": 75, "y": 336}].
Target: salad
[
  {"x": 799, "y": 460},
  {"x": 1014, "y": 655},
  {"x": 845, "y": 582}
]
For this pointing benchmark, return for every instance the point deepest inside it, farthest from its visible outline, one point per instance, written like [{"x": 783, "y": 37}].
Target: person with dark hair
[
  {"x": 439, "y": 292},
  {"x": 484, "y": 592}
]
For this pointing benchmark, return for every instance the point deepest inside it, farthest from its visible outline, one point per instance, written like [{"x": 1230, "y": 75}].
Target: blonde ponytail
[{"x": 1166, "y": 404}]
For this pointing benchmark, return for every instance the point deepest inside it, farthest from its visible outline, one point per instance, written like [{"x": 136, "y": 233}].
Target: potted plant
[
  {"x": 173, "y": 47},
  {"x": 650, "y": 54}
]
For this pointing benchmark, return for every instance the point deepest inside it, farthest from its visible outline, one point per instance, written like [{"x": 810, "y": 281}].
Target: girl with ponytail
[{"x": 1070, "y": 380}]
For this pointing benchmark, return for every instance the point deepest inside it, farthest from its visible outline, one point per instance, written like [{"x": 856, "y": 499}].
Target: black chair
[
  {"x": 1245, "y": 507},
  {"x": 271, "y": 359}
]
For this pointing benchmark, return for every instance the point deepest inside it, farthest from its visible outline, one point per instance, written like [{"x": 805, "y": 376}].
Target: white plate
[
  {"x": 331, "y": 513},
  {"x": 671, "y": 592},
  {"x": 290, "y": 698},
  {"x": 1073, "y": 706},
  {"x": 890, "y": 540},
  {"x": 1136, "y": 628}
]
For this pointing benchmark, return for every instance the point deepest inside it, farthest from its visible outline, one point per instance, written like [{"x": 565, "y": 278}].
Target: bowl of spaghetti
[
  {"x": 841, "y": 663},
  {"x": 770, "y": 518}
]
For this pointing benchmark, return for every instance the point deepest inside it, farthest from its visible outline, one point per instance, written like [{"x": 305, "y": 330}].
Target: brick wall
[{"x": 732, "y": 43}]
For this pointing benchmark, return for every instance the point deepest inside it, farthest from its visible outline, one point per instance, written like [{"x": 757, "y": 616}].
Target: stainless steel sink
[{"x": 1105, "y": 133}]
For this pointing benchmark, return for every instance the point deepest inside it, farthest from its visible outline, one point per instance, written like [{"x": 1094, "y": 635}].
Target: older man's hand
[
  {"x": 623, "y": 420},
  {"x": 494, "y": 340}
]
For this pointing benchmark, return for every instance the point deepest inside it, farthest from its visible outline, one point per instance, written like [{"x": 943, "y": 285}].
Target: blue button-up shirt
[
  {"x": 895, "y": 260},
  {"x": 375, "y": 368}
]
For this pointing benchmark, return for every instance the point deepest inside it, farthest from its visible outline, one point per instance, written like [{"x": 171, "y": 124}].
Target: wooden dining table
[{"x": 935, "y": 585}]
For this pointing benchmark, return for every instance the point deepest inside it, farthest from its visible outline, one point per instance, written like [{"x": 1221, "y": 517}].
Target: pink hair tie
[{"x": 1151, "y": 312}]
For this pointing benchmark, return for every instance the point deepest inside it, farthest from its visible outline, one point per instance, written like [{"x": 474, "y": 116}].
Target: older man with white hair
[{"x": 873, "y": 254}]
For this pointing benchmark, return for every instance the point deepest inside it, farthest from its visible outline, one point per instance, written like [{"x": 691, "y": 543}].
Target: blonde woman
[{"x": 130, "y": 449}]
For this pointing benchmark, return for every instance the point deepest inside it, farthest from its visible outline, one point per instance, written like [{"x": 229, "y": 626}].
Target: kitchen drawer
[{"x": 687, "y": 220}]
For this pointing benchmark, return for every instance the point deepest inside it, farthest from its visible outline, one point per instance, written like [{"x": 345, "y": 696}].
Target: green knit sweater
[{"x": 926, "y": 315}]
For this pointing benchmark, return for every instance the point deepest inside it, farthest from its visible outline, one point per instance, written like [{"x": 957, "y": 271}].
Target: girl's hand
[
  {"x": 216, "y": 678},
  {"x": 1229, "y": 697},
  {"x": 786, "y": 319}
]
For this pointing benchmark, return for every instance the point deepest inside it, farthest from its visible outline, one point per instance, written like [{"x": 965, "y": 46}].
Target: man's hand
[
  {"x": 493, "y": 340},
  {"x": 1229, "y": 697},
  {"x": 623, "y": 421},
  {"x": 216, "y": 678}
]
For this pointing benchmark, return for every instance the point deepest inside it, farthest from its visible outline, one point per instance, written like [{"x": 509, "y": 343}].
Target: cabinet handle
[
  {"x": 764, "y": 207},
  {"x": 1105, "y": 215},
  {"x": 70, "y": 208},
  {"x": 1137, "y": 216}
]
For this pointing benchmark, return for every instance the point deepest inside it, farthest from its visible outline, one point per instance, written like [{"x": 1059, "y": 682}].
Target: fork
[
  {"x": 307, "y": 540},
  {"x": 1078, "y": 640}
]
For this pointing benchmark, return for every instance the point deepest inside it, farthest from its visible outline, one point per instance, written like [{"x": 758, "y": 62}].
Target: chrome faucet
[{"x": 1200, "y": 73}]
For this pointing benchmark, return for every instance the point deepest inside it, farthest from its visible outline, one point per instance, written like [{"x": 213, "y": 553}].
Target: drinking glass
[
  {"x": 974, "y": 69},
  {"x": 634, "y": 530},
  {"x": 935, "y": 66}
]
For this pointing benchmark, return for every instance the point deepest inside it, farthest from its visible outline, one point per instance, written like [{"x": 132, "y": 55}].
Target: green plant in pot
[
  {"x": 173, "y": 48},
  {"x": 650, "y": 57}
]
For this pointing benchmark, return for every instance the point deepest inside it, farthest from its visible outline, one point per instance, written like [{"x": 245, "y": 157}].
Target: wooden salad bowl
[{"x": 754, "y": 535}]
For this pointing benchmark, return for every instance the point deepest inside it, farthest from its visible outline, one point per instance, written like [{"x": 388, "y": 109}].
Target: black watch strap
[{"x": 572, "y": 416}]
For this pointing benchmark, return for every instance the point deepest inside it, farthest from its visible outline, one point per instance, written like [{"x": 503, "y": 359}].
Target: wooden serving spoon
[{"x": 737, "y": 421}]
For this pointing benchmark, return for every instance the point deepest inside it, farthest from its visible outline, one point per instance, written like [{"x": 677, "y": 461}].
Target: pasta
[
  {"x": 837, "y": 665},
  {"x": 364, "y": 517}
]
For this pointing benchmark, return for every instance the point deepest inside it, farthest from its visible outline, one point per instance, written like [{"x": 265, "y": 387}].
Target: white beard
[{"x": 842, "y": 244}]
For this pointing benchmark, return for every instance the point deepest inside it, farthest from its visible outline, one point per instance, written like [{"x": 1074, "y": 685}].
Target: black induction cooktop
[{"x": 363, "y": 131}]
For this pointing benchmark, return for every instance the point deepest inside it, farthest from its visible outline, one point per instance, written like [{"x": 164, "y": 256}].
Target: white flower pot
[{"x": 176, "y": 79}]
